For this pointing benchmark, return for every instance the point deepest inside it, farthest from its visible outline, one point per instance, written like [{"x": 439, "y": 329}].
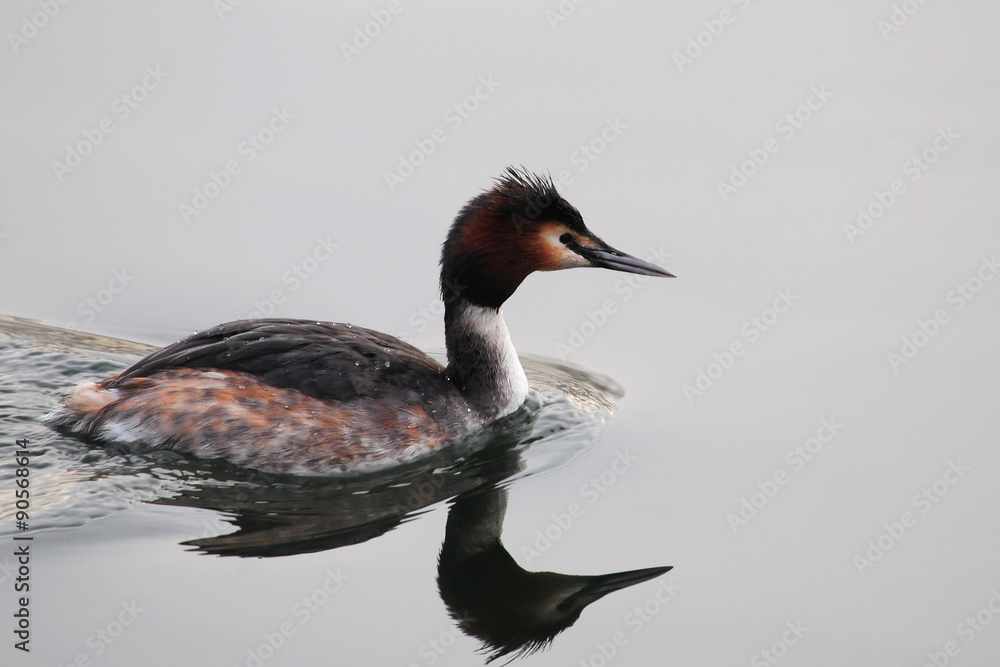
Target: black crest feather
[{"x": 517, "y": 201}]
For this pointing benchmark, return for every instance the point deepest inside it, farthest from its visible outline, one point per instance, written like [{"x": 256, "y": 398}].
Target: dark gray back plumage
[{"x": 324, "y": 360}]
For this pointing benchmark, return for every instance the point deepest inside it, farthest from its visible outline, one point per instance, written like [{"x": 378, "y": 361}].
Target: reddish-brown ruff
[{"x": 235, "y": 416}]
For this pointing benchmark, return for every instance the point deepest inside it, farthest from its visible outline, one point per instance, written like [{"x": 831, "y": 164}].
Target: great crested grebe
[{"x": 300, "y": 396}]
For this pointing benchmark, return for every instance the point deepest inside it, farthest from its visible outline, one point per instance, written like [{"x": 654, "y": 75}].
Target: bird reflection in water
[
  {"x": 514, "y": 612},
  {"x": 511, "y": 610}
]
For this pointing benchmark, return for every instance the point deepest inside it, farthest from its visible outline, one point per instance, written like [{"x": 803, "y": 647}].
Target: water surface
[{"x": 154, "y": 506}]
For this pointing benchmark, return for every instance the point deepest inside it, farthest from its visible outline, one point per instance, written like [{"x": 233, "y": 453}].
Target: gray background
[{"x": 654, "y": 188}]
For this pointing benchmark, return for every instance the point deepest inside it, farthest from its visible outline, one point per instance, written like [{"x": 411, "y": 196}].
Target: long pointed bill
[
  {"x": 609, "y": 583},
  {"x": 600, "y": 585},
  {"x": 607, "y": 257}
]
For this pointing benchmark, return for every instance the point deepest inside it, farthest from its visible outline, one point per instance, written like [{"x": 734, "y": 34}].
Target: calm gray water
[
  {"x": 92, "y": 498},
  {"x": 809, "y": 416}
]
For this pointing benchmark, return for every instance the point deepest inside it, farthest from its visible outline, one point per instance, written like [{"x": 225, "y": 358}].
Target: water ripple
[{"x": 73, "y": 483}]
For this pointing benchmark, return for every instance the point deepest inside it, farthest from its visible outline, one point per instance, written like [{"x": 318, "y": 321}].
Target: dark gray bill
[
  {"x": 609, "y": 258},
  {"x": 602, "y": 584}
]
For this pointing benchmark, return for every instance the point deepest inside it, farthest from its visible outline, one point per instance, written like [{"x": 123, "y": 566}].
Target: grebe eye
[{"x": 566, "y": 238}]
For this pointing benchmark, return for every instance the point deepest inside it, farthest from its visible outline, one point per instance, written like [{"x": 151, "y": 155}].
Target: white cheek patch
[{"x": 559, "y": 254}]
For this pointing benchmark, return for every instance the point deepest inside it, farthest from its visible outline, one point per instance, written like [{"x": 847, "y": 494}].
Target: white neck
[{"x": 481, "y": 359}]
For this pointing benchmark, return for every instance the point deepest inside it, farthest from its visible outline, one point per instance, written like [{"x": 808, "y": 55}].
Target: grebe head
[
  {"x": 521, "y": 225},
  {"x": 514, "y": 611}
]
